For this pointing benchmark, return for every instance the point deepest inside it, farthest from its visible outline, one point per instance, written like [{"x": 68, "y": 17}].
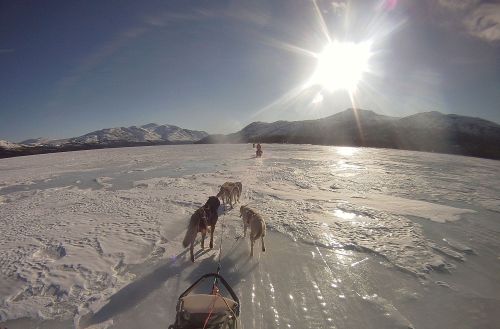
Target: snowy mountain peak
[
  {"x": 8, "y": 145},
  {"x": 35, "y": 141},
  {"x": 151, "y": 132},
  {"x": 355, "y": 113},
  {"x": 149, "y": 126},
  {"x": 352, "y": 111}
]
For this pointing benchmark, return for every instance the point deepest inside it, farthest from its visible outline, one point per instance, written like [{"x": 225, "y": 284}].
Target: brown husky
[
  {"x": 230, "y": 192},
  {"x": 257, "y": 226},
  {"x": 202, "y": 218}
]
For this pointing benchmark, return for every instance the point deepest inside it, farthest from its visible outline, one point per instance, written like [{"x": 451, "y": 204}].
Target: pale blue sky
[{"x": 71, "y": 67}]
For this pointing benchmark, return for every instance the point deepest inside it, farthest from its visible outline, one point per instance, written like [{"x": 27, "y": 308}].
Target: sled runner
[{"x": 210, "y": 311}]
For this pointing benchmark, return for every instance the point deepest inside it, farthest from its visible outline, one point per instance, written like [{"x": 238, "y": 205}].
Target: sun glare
[
  {"x": 341, "y": 65},
  {"x": 318, "y": 98},
  {"x": 346, "y": 150}
]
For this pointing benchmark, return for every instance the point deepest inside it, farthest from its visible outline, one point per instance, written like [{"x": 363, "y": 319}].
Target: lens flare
[
  {"x": 318, "y": 98},
  {"x": 341, "y": 65}
]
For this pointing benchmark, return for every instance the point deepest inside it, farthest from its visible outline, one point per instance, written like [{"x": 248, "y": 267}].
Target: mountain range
[
  {"x": 428, "y": 131},
  {"x": 150, "y": 134}
]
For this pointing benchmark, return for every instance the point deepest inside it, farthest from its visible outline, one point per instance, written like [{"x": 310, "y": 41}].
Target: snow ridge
[{"x": 147, "y": 133}]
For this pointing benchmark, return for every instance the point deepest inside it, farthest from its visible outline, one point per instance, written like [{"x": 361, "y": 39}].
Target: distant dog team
[{"x": 205, "y": 218}]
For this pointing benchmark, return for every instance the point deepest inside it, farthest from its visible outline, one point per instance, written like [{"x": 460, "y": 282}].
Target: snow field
[{"x": 339, "y": 221}]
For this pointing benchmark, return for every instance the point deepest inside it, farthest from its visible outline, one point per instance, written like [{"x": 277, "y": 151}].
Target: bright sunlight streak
[
  {"x": 347, "y": 150},
  {"x": 341, "y": 65}
]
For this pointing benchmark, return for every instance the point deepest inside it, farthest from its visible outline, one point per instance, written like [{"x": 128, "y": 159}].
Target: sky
[{"x": 71, "y": 67}]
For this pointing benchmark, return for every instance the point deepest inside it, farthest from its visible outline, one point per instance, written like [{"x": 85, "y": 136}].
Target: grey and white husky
[{"x": 257, "y": 226}]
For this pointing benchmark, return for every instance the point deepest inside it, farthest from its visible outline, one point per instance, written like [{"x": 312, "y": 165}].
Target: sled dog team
[
  {"x": 230, "y": 192},
  {"x": 204, "y": 219}
]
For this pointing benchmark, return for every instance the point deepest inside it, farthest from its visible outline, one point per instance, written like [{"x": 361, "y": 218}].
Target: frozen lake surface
[{"x": 357, "y": 238}]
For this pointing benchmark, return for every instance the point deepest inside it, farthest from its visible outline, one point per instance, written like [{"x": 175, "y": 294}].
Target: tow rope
[{"x": 215, "y": 289}]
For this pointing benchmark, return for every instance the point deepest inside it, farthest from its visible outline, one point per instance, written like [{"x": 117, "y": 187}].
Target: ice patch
[
  {"x": 103, "y": 181},
  {"x": 397, "y": 239},
  {"x": 407, "y": 207},
  {"x": 384, "y": 306},
  {"x": 103, "y": 325},
  {"x": 350, "y": 216},
  {"x": 459, "y": 246},
  {"x": 491, "y": 204}
]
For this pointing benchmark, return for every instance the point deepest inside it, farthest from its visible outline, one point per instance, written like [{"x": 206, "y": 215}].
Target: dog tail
[{"x": 191, "y": 233}]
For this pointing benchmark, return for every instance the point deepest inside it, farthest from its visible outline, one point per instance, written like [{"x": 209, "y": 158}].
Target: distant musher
[{"x": 258, "y": 153}]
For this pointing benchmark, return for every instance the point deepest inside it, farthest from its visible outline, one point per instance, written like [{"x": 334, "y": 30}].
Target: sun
[{"x": 341, "y": 66}]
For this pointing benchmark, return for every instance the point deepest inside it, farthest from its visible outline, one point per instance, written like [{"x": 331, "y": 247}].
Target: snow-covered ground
[{"x": 357, "y": 238}]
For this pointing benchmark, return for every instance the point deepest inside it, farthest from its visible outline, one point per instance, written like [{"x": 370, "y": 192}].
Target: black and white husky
[{"x": 200, "y": 221}]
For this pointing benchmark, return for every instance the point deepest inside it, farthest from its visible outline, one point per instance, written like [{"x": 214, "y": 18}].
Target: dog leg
[
  {"x": 263, "y": 245},
  {"x": 203, "y": 239},
  {"x": 252, "y": 241},
  {"x": 212, "y": 236},
  {"x": 245, "y": 229},
  {"x": 191, "y": 249}
]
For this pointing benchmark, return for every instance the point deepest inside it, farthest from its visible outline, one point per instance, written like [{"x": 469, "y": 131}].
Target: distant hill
[
  {"x": 150, "y": 134},
  {"x": 429, "y": 131}
]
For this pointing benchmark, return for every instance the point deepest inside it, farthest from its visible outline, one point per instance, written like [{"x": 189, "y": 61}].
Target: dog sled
[
  {"x": 207, "y": 311},
  {"x": 258, "y": 153}
]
